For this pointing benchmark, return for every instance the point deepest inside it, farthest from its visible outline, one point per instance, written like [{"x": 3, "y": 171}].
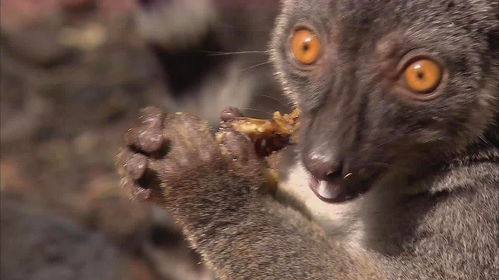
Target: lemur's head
[{"x": 385, "y": 86}]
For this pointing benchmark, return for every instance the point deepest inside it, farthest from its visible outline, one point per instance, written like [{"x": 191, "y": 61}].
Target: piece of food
[
  {"x": 280, "y": 125},
  {"x": 269, "y": 135}
]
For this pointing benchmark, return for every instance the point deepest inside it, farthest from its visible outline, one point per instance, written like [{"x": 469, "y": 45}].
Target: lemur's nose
[{"x": 322, "y": 167}]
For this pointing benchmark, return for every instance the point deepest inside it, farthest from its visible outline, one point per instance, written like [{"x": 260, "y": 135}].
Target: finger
[
  {"x": 230, "y": 113},
  {"x": 131, "y": 164},
  {"x": 136, "y": 166},
  {"x": 237, "y": 146},
  {"x": 147, "y": 136}
]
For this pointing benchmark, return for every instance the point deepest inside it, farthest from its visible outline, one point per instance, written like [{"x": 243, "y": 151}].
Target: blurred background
[{"x": 74, "y": 74}]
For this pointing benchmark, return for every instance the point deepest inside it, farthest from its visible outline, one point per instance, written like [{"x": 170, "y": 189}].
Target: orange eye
[
  {"x": 423, "y": 76},
  {"x": 305, "y": 46}
]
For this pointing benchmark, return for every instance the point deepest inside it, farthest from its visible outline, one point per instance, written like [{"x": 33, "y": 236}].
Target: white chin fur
[{"x": 328, "y": 215}]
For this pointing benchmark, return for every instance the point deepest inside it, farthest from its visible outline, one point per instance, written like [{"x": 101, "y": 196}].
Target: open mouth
[{"x": 337, "y": 189}]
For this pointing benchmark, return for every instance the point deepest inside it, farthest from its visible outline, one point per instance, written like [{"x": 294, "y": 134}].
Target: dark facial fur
[{"x": 354, "y": 117}]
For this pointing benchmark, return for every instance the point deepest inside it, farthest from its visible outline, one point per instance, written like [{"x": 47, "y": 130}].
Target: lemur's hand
[
  {"x": 168, "y": 157},
  {"x": 214, "y": 188}
]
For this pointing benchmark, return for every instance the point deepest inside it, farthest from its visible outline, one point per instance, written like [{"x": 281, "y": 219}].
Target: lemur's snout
[
  {"x": 330, "y": 178},
  {"x": 322, "y": 167}
]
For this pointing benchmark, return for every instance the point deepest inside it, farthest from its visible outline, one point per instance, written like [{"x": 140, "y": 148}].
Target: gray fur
[{"x": 432, "y": 210}]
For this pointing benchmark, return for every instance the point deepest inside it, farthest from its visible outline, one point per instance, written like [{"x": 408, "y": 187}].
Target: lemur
[{"x": 398, "y": 144}]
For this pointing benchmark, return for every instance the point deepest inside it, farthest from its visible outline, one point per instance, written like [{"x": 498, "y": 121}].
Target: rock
[{"x": 37, "y": 246}]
